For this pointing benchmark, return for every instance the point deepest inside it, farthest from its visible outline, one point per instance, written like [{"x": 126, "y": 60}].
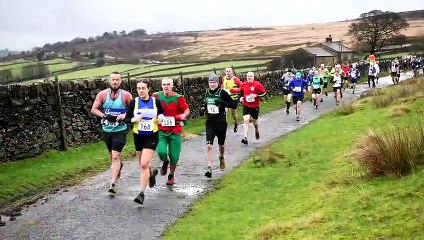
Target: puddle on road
[{"x": 189, "y": 191}]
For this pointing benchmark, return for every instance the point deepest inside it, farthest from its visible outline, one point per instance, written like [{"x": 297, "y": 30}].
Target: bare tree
[{"x": 377, "y": 29}]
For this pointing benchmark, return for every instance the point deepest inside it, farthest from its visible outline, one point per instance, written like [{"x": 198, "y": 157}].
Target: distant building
[{"x": 328, "y": 52}]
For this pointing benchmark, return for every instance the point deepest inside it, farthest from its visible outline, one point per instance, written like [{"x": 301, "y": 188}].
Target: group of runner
[
  {"x": 295, "y": 84},
  {"x": 157, "y": 122}
]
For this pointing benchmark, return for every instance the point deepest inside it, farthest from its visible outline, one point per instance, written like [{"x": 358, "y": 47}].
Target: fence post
[
  {"x": 61, "y": 120},
  {"x": 182, "y": 82},
  {"x": 129, "y": 83}
]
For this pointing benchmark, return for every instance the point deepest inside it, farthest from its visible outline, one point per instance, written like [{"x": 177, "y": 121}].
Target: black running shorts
[
  {"x": 216, "y": 128},
  {"x": 115, "y": 141},
  {"x": 298, "y": 98},
  {"x": 253, "y": 112},
  {"x": 148, "y": 141},
  {"x": 316, "y": 91}
]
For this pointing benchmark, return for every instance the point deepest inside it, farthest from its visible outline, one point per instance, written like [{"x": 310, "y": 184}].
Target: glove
[
  {"x": 110, "y": 118},
  {"x": 202, "y": 111}
]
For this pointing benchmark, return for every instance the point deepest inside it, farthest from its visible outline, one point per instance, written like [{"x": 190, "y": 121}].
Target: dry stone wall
[{"x": 30, "y": 123}]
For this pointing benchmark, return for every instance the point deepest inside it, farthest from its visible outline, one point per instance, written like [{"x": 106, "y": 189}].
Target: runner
[
  {"x": 345, "y": 75},
  {"x": 110, "y": 104},
  {"x": 216, "y": 120},
  {"x": 285, "y": 80},
  {"x": 298, "y": 87},
  {"x": 337, "y": 84},
  {"x": 250, "y": 91},
  {"x": 316, "y": 85},
  {"x": 354, "y": 77},
  {"x": 231, "y": 84},
  {"x": 145, "y": 112},
  {"x": 176, "y": 111},
  {"x": 377, "y": 71},
  {"x": 371, "y": 75},
  {"x": 393, "y": 69},
  {"x": 325, "y": 76}
]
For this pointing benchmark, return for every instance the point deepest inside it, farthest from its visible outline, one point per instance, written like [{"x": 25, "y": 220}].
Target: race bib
[
  {"x": 213, "y": 109},
  {"x": 113, "y": 124},
  {"x": 297, "y": 89},
  {"x": 168, "y": 122},
  {"x": 145, "y": 125},
  {"x": 249, "y": 99},
  {"x": 315, "y": 86}
]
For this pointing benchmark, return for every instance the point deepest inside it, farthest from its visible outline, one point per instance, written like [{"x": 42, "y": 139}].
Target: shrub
[
  {"x": 393, "y": 151},
  {"x": 346, "y": 109}
]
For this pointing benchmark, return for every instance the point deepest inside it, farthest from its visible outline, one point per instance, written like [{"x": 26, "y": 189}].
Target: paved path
[{"x": 87, "y": 211}]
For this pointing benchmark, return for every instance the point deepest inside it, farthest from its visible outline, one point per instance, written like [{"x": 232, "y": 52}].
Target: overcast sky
[{"x": 28, "y": 23}]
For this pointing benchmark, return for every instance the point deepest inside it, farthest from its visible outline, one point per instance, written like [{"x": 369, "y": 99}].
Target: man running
[
  {"x": 298, "y": 87},
  {"x": 325, "y": 76},
  {"x": 337, "y": 85},
  {"x": 231, "y": 85},
  {"x": 393, "y": 70},
  {"x": 354, "y": 77},
  {"x": 285, "y": 80},
  {"x": 377, "y": 71},
  {"x": 316, "y": 85},
  {"x": 176, "y": 110},
  {"x": 250, "y": 91},
  {"x": 216, "y": 120},
  {"x": 345, "y": 75},
  {"x": 110, "y": 105},
  {"x": 371, "y": 76}
]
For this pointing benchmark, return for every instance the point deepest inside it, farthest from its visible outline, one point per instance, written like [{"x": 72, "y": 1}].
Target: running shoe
[
  {"x": 235, "y": 127},
  {"x": 287, "y": 111},
  {"x": 244, "y": 141},
  {"x": 140, "y": 198},
  {"x": 297, "y": 118},
  {"x": 112, "y": 188},
  {"x": 152, "y": 178},
  {"x": 326, "y": 94},
  {"x": 164, "y": 168},
  {"x": 208, "y": 173},
  {"x": 170, "y": 180},
  {"x": 316, "y": 106},
  {"x": 322, "y": 100},
  {"x": 257, "y": 134}
]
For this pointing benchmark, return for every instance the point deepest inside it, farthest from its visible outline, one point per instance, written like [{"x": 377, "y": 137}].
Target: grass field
[
  {"x": 58, "y": 64},
  {"x": 24, "y": 179},
  {"x": 323, "y": 193}
]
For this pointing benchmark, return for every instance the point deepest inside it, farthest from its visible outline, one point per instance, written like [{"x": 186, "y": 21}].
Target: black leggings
[{"x": 371, "y": 78}]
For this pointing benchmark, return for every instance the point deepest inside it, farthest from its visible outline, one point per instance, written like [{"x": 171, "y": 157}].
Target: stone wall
[{"x": 29, "y": 123}]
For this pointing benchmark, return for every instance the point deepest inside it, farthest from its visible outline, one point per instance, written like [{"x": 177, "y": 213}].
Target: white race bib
[
  {"x": 113, "y": 124},
  {"x": 297, "y": 89},
  {"x": 213, "y": 109},
  {"x": 168, "y": 122},
  {"x": 249, "y": 99},
  {"x": 145, "y": 125}
]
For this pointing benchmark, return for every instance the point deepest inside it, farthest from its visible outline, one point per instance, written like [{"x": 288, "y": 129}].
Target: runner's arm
[
  {"x": 130, "y": 112},
  {"x": 183, "y": 107},
  {"x": 95, "y": 109},
  {"x": 227, "y": 101},
  {"x": 126, "y": 98},
  {"x": 237, "y": 83},
  {"x": 159, "y": 107}
]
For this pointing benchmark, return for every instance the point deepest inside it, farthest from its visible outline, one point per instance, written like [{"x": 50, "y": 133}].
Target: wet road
[{"x": 87, "y": 211}]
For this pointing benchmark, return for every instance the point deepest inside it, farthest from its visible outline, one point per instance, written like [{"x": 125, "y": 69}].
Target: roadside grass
[
  {"x": 324, "y": 193},
  {"x": 25, "y": 180}
]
